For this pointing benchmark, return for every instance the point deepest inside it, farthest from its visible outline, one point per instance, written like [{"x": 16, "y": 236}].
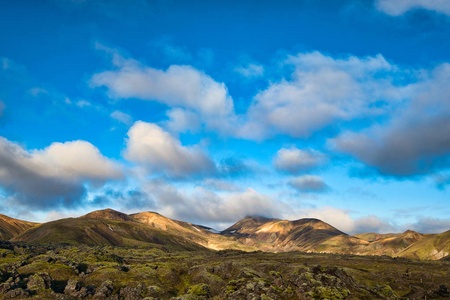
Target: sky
[{"x": 210, "y": 111}]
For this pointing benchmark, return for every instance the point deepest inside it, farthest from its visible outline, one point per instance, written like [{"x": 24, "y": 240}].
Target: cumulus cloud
[
  {"x": 207, "y": 207},
  {"x": 182, "y": 120},
  {"x": 180, "y": 86},
  {"x": 399, "y": 7},
  {"x": 308, "y": 184},
  {"x": 322, "y": 90},
  {"x": 341, "y": 219},
  {"x": 250, "y": 70},
  {"x": 293, "y": 160},
  {"x": 416, "y": 140},
  {"x": 53, "y": 176},
  {"x": 122, "y": 117},
  {"x": 429, "y": 225},
  {"x": 150, "y": 145}
]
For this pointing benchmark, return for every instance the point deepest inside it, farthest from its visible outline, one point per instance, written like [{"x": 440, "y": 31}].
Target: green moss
[{"x": 200, "y": 290}]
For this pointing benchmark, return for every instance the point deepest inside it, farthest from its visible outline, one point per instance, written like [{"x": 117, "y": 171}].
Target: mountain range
[{"x": 253, "y": 233}]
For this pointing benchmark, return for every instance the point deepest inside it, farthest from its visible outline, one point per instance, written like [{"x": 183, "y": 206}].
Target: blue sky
[{"x": 210, "y": 111}]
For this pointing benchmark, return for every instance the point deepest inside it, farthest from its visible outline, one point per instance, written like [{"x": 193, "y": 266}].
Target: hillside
[
  {"x": 94, "y": 231},
  {"x": 10, "y": 227},
  {"x": 110, "y": 227},
  {"x": 373, "y": 236},
  {"x": 281, "y": 235}
]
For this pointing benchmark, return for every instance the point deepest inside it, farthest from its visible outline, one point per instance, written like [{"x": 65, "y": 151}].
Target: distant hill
[
  {"x": 10, "y": 227},
  {"x": 372, "y": 236},
  {"x": 281, "y": 235},
  {"x": 110, "y": 227}
]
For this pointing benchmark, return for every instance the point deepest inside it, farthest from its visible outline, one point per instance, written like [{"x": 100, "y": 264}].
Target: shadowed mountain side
[
  {"x": 91, "y": 231},
  {"x": 10, "y": 227}
]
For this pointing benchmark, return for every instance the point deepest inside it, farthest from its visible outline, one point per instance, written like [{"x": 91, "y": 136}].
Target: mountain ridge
[{"x": 111, "y": 227}]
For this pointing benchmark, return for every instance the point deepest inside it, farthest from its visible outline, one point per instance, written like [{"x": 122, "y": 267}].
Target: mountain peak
[{"x": 108, "y": 214}]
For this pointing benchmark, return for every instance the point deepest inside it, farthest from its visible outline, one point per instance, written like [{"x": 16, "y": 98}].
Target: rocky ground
[{"x": 83, "y": 272}]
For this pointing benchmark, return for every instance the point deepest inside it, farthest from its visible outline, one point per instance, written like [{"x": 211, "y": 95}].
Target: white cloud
[
  {"x": 150, "y": 145},
  {"x": 55, "y": 175},
  {"x": 308, "y": 183},
  {"x": 429, "y": 225},
  {"x": 293, "y": 160},
  {"x": 322, "y": 90},
  {"x": 399, "y": 7},
  {"x": 76, "y": 160},
  {"x": 206, "y": 207},
  {"x": 122, "y": 117},
  {"x": 341, "y": 219},
  {"x": 83, "y": 103},
  {"x": 182, "y": 120},
  {"x": 38, "y": 91},
  {"x": 250, "y": 70},
  {"x": 179, "y": 86},
  {"x": 415, "y": 140}
]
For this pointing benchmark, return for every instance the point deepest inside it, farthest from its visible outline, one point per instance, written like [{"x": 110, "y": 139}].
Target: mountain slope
[
  {"x": 108, "y": 214},
  {"x": 281, "y": 235},
  {"x": 10, "y": 227},
  {"x": 430, "y": 246},
  {"x": 110, "y": 227},
  {"x": 95, "y": 231}
]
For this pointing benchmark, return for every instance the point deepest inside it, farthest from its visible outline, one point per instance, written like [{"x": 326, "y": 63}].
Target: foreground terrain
[{"x": 109, "y": 272}]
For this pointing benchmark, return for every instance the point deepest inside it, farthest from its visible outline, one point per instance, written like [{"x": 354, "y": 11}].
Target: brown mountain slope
[
  {"x": 198, "y": 234},
  {"x": 10, "y": 227},
  {"x": 281, "y": 235},
  {"x": 96, "y": 231},
  {"x": 430, "y": 246},
  {"x": 108, "y": 214},
  {"x": 373, "y": 236},
  {"x": 392, "y": 245}
]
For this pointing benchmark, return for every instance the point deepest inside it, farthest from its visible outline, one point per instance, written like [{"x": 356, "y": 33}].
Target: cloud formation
[
  {"x": 416, "y": 140},
  {"x": 180, "y": 86},
  {"x": 250, "y": 70},
  {"x": 308, "y": 184},
  {"x": 429, "y": 225},
  {"x": 399, "y": 7},
  {"x": 295, "y": 161},
  {"x": 55, "y": 175},
  {"x": 341, "y": 219},
  {"x": 322, "y": 90},
  {"x": 150, "y": 145},
  {"x": 207, "y": 207},
  {"x": 122, "y": 117}
]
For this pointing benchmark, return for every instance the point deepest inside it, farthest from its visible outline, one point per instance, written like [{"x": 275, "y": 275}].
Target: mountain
[
  {"x": 372, "y": 236},
  {"x": 392, "y": 244},
  {"x": 10, "y": 227},
  {"x": 281, "y": 235},
  {"x": 110, "y": 227},
  {"x": 108, "y": 214},
  {"x": 106, "y": 227},
  {"x": 429, "y": 246}
]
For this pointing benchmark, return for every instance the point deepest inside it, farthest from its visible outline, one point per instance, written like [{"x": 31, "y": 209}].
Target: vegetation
[{"x": 151, "y": 272}]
